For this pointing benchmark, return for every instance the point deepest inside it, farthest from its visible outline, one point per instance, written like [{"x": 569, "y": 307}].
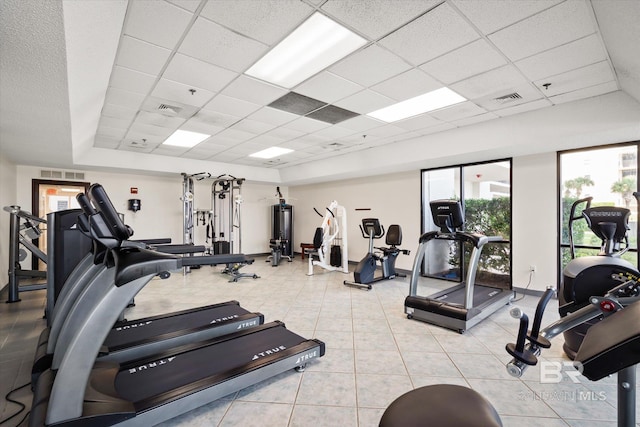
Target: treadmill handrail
[{"x": 477, "y": 240}]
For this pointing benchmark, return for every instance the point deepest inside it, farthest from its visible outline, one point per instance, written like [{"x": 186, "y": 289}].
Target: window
[
  {"x": 485, "y": 192},
  {"x": 608, "y": 175}
]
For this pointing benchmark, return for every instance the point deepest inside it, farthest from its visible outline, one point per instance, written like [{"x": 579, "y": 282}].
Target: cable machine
[
  {"x": 281, "y": 242},
  {"x": 226, "y": 199},
  {"x": 188, "y": 223}
]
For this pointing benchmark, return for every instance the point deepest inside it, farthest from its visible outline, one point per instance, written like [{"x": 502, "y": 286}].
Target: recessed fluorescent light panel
[
  {"x": 185, "y": 138},
  {"x": 434, "y": 100},
  {"x": 309, "y": 49},
  {"x": 270, "y": 153}
]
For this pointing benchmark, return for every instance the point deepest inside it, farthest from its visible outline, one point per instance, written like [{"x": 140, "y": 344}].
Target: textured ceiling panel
[
  {"x": 492, "y": 15},
  {"x": 489, "y": 83},
  {"x": 529, "y": 106},
  {"x": 265, "y": 20},
  {"x": 561, "y": 24},
  {"x": 270, "y": 115},
  {"x": 156, "y": 22},
  {"x": 564, "y": 58},
  {"x": 407, "y": 85},
  {"x": 184, "y": 94},
  {"x": 365, "y": 102},
  {"x": 193, "y": 72},
  {"x": 435, "y": 33},
  {"x": 590, "y": 75},
  {"x": 474, "y": 58},
  {"x": 252, "y": 90},
  {"x": 124, "y": 98},
  {"x": 418, "y": 122},
  {"x": 190, "y": 5},
  {"x": 328, "y": 87},
  {"x": 458, "y": 111},
  {"x": 375, "y": 18},
  {"x": 370, "y": 66},
  {"x": 226, "y": 49},
  {"x": 141, "y": 56},
  {"x": 585, "y": 93},
  {"x": 233, "y": 106},
  {"x": 130, "y": 80}
]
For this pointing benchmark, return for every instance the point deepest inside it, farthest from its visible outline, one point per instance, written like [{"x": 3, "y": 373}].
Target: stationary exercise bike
[
  {"x": 364, "y": 274},
  {"x": 587, "y": 276}
]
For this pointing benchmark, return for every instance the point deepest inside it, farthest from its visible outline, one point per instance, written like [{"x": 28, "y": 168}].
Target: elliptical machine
[
  {"x": 596, "y": 275},
  {"x": 364, "y": 274}
]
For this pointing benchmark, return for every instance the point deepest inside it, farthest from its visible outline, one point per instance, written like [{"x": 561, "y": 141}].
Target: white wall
[
  {"x": 7, "y": 197},
  {"x": 393, "y": 198},
  {"x": 535, "y": 221},
  {"x": 161, "y": 212}
]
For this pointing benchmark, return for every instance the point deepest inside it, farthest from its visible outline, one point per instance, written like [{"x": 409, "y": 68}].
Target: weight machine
[
  {"x": 330, "y": 240},
  {"x": 282, "y": 231},
  {"x": 23, "y": 228},
  {"x": 188, "y": 191}
]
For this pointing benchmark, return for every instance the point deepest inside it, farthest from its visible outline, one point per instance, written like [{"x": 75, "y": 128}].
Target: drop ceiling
[{"x": 179, "y": 64}]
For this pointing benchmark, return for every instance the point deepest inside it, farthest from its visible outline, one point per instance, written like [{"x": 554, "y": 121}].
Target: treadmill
[
  {"x": 129, "y": 340},
  {"x": 150, "y": 390},
  {"x": 468, "y": 303}
]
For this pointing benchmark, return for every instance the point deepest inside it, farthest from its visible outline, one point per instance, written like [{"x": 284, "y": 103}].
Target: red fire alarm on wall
[{"x": 134, "y": 190}]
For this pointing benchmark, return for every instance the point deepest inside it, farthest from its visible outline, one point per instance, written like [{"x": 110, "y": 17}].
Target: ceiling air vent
[
  {"x": 169, "y": 110},
  {"x": 508, "y": 98}
]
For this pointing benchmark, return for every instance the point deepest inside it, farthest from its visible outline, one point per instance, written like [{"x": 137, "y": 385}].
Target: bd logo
[{"x": 554, "y": 372}]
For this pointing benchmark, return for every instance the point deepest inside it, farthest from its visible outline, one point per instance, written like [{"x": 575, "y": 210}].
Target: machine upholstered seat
[{"x": 441, "y": 405}]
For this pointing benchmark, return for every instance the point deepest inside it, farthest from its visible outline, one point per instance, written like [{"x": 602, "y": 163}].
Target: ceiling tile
[
  {"x": 361, "y": 123},
  {"x": 529, "y": 106},
  {"x": 467, "y": 61},
  {"x": 222, "y": 140},
  {"x": 170, "y": 150},
  {"x": 295, "y": 103},
  {"x": 193, "y": 72},
  {"x": 331, "y": 114},
  {"x": 151, "y": 130},
  {"x": 124, "y": 98},
  {"x": 225, "y": 157},
  {"x": 272, "y": 116},
  {"x": 252, "y": 90},
  {"x": 133, "y": 146},
  {"x": 491, "y": 15},
  {"x": 236, "y": 134},
  {"x": 253, "y": 126},
  {"x": 306, "y": 125},
  {"x": 328, "y": 87},
  {"x": 370, "y": 66},
  {"x": 156, "y": 22},
  {"x": 214, "y": 118},
  {"x": 474, "y": 119},
  {"x": 284, "y": 134},
  {"x": 113, "y": 122},
  {"x": 588, "y": 92},
  {"x": 435, "y": 129},
  {"x": 266, "y": 141},
  {"x": 581, "y": 78},
  {"x": 365, "y": 102},
  {"x": 418, "y": 122},
  {"x": 194, "y": 125},
  {"x": 334, "y": 132},
  {"x": 158, "y": 119},
  {"x": 150, "y": 140},
  {"x": 407, "y": 85},
  {"x": 267, "y": 21},
  {"x": 133, "y": 81},
  {"x": 232, "y": 106},
  {"x": 226, "y": 49},
  {"x": 561, "y": 24},
  {"x": 489, "y": 83},
  {"x": 190, "y": 5},
  {"x": 113, "y": 110},
  {"x": 433, "y": 34},
  {"x": 383, "y": 132},
  {"x": 564, "y": 58},
  {"x": 375, "y": 18},
  {"x": 179, "y": 92},
  {"x": 458, "y": 111},
  {"x": 141, "y": 56}
]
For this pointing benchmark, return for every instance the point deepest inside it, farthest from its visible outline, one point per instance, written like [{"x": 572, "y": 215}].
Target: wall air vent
[
  {"x": 53, "y": 174},
  {"x": 169, "y": 110},
  {"x": 508, "y": 98}
]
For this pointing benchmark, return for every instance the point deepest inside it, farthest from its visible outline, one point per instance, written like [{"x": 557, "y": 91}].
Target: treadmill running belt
[
  {"x": 134, "y": 331},
  {"x": 481, "y": 294},
  {"x": 148, "y": 378}
]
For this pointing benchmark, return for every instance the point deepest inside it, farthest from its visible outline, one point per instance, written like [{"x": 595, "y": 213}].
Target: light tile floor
[{"x": 374, "y": 353}]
